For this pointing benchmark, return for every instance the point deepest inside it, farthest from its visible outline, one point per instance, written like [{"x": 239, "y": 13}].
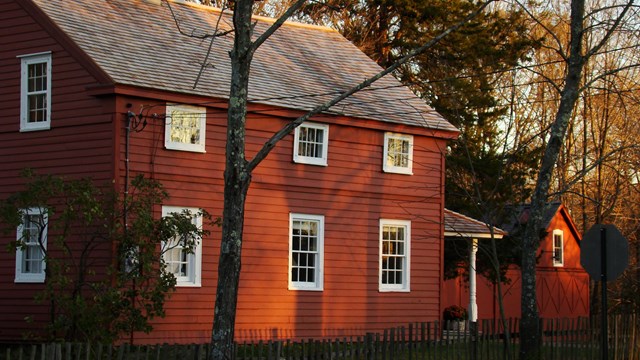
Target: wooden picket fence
[{"x": 563, "y": 339}]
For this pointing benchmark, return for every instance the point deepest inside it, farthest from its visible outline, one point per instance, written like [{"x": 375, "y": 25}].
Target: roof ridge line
[{"x": 256, "y": 17}]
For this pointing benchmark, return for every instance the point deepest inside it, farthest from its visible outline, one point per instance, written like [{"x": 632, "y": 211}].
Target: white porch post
[{"x": 473, "y": 304}]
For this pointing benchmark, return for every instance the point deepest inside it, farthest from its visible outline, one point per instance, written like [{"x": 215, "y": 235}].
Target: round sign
[{"x": 616, "y": 248}]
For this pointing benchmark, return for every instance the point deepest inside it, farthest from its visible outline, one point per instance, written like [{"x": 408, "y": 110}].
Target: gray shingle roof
[
  {"x": 137, "y": 43},
  {"x": 518, "y": 216},
  {"x": 458, "y": 225}
]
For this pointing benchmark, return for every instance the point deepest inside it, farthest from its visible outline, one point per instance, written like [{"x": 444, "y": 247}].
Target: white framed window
[
  {"x": 185, "y": 127},
  {"x": 306, "y": 252},
  {"x": 558, "y": 247},
  {"x": 32, "y": 245},
  {"x": 35, "y": 92},
  {"x": 311, "y": 144},
  {"x": 395, "y": 246},
  {"x": 398, "y": 153},
  {"x": 185, "y": 266}
]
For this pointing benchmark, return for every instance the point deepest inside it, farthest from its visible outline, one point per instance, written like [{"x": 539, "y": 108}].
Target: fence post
[
  {"x": 370, "y": 354},
  {"x": 473, "y": 333}
]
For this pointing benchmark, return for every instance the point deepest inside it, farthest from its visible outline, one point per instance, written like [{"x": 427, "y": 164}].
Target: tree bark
[
  {"x": 236, "y": 185},
  {"x": 529, "y": 325}
]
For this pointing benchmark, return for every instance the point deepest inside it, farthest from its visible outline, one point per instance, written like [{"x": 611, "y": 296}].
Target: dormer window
[
  {"x": 35, "y": 92},
  {"x": 398, "y": 153},
  {"x": 185, "y": 127},
  {"x": 311, "y": 144}
]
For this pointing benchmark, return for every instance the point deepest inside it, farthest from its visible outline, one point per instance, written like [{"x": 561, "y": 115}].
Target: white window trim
[
  {"x": 321, "y": 161},
  {"x": 397, "y": 169},
  {"x": 553, "y": 248},
  {"x": 318, "y": 285},
  {"x": 194, "y": 279},
  {"x": 406, "y": 285},
  {"x": 31, "y": 277},
  {"x": 25, "y": 61},
  {"x": 200, "y": 146}
]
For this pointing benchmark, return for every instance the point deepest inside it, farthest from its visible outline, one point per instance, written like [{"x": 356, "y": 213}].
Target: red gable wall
[{"x": 561, "y": 291}]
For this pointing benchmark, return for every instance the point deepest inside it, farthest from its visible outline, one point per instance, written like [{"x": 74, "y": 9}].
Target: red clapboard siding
[
  {"x": 79, "y": 144},
  {"x": 351, "y": 192}
]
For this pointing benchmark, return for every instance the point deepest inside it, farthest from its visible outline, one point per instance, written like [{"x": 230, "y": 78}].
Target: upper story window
[
  {"x": 558, "y": 247},
  {"x": 398, "y": 153},
  {"x": 185, "y": 266},
  {"x": 395, "y": 245},
  {"x": 35, "y": 92},
  {"x": 32, "y": 246},
  {"x": 311, "y": 144},
  {"x": 185, "y": 127},
  {"x": 306, "y": 252}
]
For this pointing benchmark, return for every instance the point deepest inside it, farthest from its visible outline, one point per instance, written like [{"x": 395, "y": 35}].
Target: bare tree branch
[
  {"x": 607, "y": 73},
  {"x": 206, "y": 58},
  {"x": 277, "y": 24},
  {"x": 271, "y": 143},
  {"x": 560, "y": 50},
  {"x": 193, "y": 35},
  {"x": 597, "y": 162},
  {"x": 610, "y": 32},
  {"x": 547, "y": 79}
]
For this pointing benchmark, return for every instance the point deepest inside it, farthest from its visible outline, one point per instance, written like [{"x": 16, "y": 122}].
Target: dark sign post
[
  {"x": 604, "y": 254},
  {"x": 603, "y": 288}
]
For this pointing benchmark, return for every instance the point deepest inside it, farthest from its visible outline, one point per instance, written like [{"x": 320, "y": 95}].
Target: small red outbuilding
[{"x": 562, "y": 284}]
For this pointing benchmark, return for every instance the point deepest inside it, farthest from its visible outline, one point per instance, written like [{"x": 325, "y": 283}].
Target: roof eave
[{"x": 472, "y": 235}]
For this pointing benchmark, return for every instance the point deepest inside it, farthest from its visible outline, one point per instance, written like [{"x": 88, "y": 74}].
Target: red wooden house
[
  {"x": 362, "y": 176},
  {"x": 562, "y": 284}
]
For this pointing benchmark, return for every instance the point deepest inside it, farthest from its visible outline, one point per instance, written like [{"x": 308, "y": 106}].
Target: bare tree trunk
[
  {"x": 237, "y": 175},
  {"x": 236, "y": 185},
  {"x": 529, "y": 326},
  {"x": 498, "y": 283}
]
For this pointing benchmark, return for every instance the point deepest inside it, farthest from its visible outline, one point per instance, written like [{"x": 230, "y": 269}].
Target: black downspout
[{"x": 130, "y": 117}]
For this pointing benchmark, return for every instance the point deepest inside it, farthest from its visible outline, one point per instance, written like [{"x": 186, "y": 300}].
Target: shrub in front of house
[{"x": 455, "y": 313}]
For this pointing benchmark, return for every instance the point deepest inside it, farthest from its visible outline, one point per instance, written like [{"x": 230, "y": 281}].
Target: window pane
[
  {"x": 310, "y": 142},
  {"x": 176, "y": 259},
  {"x": 398, "y": 150},
  {"x": 37, "y": 107},
  {"x": 296, "y": 242},
  {"x": 32, "y": 255},
  {"x": 303, "y": 260},
  {"x": 303, "y": 133},
  {"x": 398, "y": 277},
  {"x": 185, "y": 127},
  {"x": 37, "y": 77}
]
